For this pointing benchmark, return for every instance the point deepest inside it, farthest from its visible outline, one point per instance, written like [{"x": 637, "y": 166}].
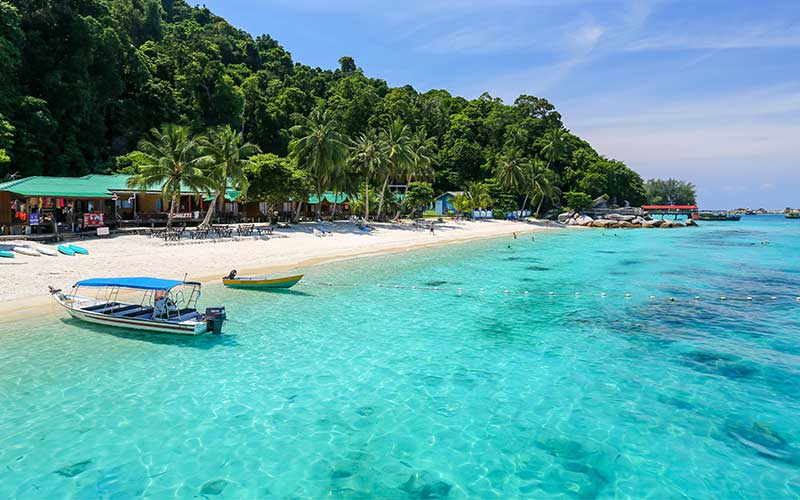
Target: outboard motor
[{"x": 216, "y": 317}]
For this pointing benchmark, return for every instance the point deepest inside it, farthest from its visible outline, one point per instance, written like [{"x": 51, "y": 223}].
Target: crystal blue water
[{"x": 402, "y": 393}]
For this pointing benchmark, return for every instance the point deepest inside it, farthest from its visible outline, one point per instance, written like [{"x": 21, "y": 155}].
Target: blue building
[{"x": 443, "y": 204}]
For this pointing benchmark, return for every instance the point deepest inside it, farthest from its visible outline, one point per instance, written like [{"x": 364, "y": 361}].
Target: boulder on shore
[
  {"x": 584, "y": 220},
  {"x": 565, "y": 216},
  {"x": 624, "y": 224},
  {"x": 619, "y": 217},
  {"x": 603, "y": 223},
  {"x": 652, "y": 223}
]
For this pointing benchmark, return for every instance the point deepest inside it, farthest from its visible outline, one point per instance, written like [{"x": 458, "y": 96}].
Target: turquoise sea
[{"x": 453, "y": 389}]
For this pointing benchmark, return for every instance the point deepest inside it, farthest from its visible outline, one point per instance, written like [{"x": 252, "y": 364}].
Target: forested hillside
[{"x": 83, "y": 81}]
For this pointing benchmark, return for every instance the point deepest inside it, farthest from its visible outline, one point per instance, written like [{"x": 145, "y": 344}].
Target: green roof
[
  {"x": 88, "y": 186},
  {"x": 230, "y": 195},
  {"x": 329, "y": 196},
  {"x": 63, "y": 187}
]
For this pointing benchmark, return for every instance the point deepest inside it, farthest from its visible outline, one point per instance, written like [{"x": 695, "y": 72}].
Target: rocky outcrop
[
  {"x": 619, "y": 221},
  {"x": 566, "y": 216}
]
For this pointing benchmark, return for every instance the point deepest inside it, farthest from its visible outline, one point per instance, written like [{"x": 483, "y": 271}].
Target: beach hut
[
  {"x": 34, "y": 204},
  {"x": 443, "y": 204}
]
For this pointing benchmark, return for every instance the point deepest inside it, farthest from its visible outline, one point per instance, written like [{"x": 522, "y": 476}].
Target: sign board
[
  {"x": 102, "y": 231},
  {"x": 92, "y": 220},
  {"x": 33, "y": 219}
]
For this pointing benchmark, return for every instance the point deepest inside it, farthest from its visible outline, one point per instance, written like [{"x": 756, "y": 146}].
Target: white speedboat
[{"x": 166, "y": 306}]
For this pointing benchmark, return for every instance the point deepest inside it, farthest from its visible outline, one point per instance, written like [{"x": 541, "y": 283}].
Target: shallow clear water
[{"x": 400, "y": 393}]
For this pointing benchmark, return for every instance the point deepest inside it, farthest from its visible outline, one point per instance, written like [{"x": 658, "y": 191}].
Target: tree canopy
[
  {"x": 83, "y": 82},
  {"x": 670, "y": 192}
]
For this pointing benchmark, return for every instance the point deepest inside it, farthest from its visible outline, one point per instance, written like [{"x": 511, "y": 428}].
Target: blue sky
[{"x": 702, "y": 90}]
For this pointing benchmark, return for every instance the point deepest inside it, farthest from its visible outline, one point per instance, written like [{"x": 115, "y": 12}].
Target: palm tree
[
  {"x": 320, "y": 149},
  {"x": 478, "y": 194},
  {"x": 171, "y": 161},
  {"x": 368, "y": 157},
  {"x": 420, "y": 166},
  {"x": 226, "y": 157},
  {"x": 462, "y": 203},
  {"x": 399, "y": 153},
  {"x": 511, "y": 173},
  {"x": 539, "y": 183},
  {"x": 554, "y": 142}
]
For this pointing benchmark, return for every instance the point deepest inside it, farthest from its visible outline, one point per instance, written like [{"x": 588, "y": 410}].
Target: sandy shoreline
[{"x": 24, "y": 279}]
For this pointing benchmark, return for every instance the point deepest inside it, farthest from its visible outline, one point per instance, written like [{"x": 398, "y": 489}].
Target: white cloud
[
  {"x": 478, "y": 39},
  {"x": 736, "y": 36}
]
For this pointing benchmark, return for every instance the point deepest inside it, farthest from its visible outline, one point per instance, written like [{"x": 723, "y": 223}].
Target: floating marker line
[{"x": 577, "y": 294}]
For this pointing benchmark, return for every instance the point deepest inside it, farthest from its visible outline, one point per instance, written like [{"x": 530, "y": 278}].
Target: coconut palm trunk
[
  {"x": 210, "y": 212},
  {"x": 383, "y": 194},
  {"x": 171, "y": 210},
  {"x": 366, "y": 198}
]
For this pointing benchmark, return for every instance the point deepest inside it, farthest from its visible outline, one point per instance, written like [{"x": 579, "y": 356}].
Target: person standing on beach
[{"x": 431, "y": 227}]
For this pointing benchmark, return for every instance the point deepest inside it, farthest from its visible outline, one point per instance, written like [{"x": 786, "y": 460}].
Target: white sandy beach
[{"x": 24, "y": 279}]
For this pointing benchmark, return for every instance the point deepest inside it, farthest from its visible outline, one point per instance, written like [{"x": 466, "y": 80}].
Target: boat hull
[
  {"x": 79, "y": 250},
  {"x": 188, "y": 328},
  {"x": 6, "y": 254},
  {"x": 262, "y": 284},
  {"x": 47, "y": 251},
  {"x": 66, "y": 250},
  {"x": 26, "y": 251}
]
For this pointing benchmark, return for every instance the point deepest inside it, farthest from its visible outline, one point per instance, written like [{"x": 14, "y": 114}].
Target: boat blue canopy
[{"x": 140, "y": 283}]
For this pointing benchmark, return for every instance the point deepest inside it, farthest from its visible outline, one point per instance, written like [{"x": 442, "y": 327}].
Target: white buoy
[
  {"x": 379, "y": 285},
  {"x": 773, "y": 298},
  {"x": 414, "y": 287},
  {"x": 722, "y": 298},
  {"x": 627, "y": 295},
  {"x": 505, "y": 291},
  {"x": 436, "y": 288},
  {"x": 551, "y": 293},
  {"x": 652, "y": 297},
  {"x": 696, "y": 297},
  {"x": 603, "y": 294},
  {"x": 577, "y": 293},
  {"x": 525, "y": 292},
  {"x": 749, "y": 298}
]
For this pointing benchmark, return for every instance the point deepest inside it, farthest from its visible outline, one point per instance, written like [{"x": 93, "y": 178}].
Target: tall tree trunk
[
  {"x": 540, "y": 205},
  {"x": 296, "y": 218},
  {"x": 210, "y": 213},
  {"x": 319, "y": 202},
  {"x": 171, "y": 210},
  {"x": 524, "y": 202},
  {"x": 366, "y": 199},
  {"x": 335, "y": 204},
  {"x": 383, "y": 194}
]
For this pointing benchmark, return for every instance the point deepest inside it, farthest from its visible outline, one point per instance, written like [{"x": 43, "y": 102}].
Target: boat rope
[{"x": 681, "y": 297}]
